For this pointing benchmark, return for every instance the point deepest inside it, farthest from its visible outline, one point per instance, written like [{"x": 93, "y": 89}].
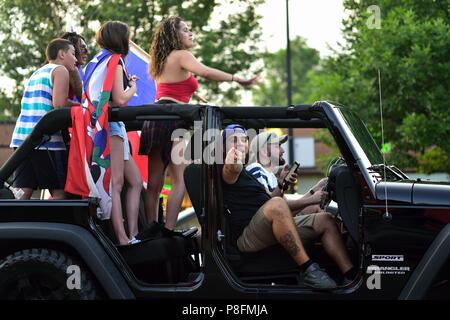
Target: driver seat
[{"x": 348, "y": 196}]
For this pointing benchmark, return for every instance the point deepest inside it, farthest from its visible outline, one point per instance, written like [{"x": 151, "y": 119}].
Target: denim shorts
[{"x": 118, "y": 129}]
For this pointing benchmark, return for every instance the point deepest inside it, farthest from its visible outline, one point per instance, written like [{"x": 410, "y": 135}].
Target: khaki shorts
[{"x": 258, "y": 234}]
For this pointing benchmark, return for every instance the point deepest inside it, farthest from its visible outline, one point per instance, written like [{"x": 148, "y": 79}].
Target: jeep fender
[
  {"x": 431, "y": 263},
  {"x": 87, "y": 247}
]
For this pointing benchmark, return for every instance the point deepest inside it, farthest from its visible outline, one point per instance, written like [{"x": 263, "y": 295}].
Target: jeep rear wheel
[{"x": 43, "y": 274}]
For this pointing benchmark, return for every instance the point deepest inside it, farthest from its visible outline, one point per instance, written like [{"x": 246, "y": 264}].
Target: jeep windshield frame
[
  {"x": 358, "y": 140},
  {"x": 363, "y": 136}
]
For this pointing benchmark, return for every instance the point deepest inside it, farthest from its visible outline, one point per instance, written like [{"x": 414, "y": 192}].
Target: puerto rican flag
[
  {"x": 89, "y": 167},
  {"x": 89, "y": 170}
]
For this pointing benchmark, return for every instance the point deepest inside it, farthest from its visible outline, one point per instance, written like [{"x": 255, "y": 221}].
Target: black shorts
[{"x": 42, "y": 170}]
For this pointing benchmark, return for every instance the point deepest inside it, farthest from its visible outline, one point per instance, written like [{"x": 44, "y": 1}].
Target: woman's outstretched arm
[{"x": 188, "y": 62}]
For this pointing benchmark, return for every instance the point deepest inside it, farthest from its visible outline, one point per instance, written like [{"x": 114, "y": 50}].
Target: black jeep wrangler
[{"x": 396, "y": 229}]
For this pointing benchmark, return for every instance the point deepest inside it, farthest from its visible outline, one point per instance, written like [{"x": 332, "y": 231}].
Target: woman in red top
[{"x": 173, "y": 67}]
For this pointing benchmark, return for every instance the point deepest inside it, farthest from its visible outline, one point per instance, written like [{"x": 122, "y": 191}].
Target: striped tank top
[{"x": 36, "y": 102}]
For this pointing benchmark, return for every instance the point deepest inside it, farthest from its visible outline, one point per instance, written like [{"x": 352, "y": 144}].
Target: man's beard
[{"x": 278, "y": 161}]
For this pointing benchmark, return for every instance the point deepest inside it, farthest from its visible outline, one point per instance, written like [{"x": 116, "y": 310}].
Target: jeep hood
[{"x": 415, "y": 192}]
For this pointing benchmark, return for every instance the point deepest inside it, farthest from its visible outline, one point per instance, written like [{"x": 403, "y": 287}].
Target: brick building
[{"x": 6, "y": 130}]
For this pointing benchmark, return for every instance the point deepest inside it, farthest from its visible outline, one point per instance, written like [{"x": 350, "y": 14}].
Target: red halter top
[{"x": 181, "y": 91}]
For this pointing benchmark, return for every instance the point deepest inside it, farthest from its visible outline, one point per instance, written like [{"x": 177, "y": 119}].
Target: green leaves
[
  {"x": 412, "y": 52},
  {"x": 411, "y": 49},
  {"x": 273, "y": 89},
  {"x": 26, "y": 26},
  {"x": 433, "y": 160}
]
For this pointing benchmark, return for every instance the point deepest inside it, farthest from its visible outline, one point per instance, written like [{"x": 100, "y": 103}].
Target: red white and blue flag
[{"x": 89, "y": 171}]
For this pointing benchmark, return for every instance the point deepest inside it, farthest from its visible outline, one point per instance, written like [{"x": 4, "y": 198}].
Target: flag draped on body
[{"x": 89, "y": 170}]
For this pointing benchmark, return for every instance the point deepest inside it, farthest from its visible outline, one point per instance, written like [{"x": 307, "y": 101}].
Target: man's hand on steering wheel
[
  {"x": 319, "y": 197},
  {"x": 321, "y": 185}
]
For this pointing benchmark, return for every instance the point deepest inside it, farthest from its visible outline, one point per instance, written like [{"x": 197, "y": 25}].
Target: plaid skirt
[{"x": 158, "y": 134}]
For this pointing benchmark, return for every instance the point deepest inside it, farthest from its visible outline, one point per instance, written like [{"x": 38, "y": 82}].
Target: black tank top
[
  {"x": 243, "y": 199},
  {"x": 126, "y": 81}
]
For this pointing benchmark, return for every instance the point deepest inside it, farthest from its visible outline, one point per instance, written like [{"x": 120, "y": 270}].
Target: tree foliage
[
  {"x": 25, "y": 29},
  {"x": 412, "y": 52},
  {"x": 273, "y": 91},
  {"x": 26, "y": 26}
]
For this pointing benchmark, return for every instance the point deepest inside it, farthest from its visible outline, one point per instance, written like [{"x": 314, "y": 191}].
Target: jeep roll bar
[
  {"x": 58, "y": 119},
  {"x": 50, "y": 123}
]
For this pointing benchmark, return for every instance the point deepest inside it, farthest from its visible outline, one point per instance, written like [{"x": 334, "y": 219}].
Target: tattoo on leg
[{"x": 288, "y": 242}]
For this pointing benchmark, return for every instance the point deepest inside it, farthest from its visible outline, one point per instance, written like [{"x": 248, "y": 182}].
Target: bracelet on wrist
[{"x": 232, "y": 77}]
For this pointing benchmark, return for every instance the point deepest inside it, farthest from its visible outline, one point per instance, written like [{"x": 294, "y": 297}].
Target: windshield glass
[{"x": 363, "y": 136}]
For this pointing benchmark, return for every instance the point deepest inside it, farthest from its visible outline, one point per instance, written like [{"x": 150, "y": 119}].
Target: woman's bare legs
[
  {"x": 156, "y": 173},
  {"x": 117, "y": 177},
  {"x": 27, "y": 193},
  {"x": 176, "y": 194},
  {"x": 58, "y": 194},
  {"x": 134, "y": 180}
]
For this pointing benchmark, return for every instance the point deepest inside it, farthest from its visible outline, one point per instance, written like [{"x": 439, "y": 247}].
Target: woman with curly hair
[{"x": 173, "y": 67}]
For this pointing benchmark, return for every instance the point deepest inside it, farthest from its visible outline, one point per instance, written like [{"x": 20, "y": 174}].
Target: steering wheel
[
  {"x": 330, "y": 187},
  {"x": 325, "y": 202}
]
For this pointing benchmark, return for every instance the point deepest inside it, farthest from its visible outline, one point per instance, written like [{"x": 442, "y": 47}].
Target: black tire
[{"x": 41, "y": 274}]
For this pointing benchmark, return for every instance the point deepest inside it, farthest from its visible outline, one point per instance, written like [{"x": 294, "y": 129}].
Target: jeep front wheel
[{"x": 44, "y": 274}]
